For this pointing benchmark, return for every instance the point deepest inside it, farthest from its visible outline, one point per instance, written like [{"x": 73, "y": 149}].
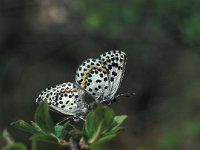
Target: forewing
[
  {"x": 115, "y": 62},
  {"x": 93, "y": 78}
]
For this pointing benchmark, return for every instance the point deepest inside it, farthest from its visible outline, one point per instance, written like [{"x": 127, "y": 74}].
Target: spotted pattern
[
  {"x": 101, "y": 77},
  {"x": 65, "y": 98},
  {"x": 93, "y": 77},
  {"x": 115, "y": 62}
]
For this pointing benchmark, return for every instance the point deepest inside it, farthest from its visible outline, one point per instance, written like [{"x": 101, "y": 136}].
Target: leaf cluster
[{"x": 100, "y": 126}]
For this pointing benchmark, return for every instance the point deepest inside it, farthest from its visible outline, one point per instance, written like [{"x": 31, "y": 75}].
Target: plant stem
[{"x": 73, "y": 144}]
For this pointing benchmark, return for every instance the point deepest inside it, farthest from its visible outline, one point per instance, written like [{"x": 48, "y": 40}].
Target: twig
[{"x": 72, "y": 144}]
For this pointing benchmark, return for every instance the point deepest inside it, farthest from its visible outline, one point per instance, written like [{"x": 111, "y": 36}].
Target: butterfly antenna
[
  {"x": 125, "y": 95},
  {"x": 81, "y": 117}
]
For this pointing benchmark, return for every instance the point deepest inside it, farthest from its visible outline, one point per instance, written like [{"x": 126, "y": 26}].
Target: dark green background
[{"x": 42, "y": 42}]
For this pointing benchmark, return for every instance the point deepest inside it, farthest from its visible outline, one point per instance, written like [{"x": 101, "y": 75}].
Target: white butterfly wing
[
  {"x": 93, "y": 77},
  {"x": 65, "y": 98},
  {"x": 115, "y": 62},
  {"x": 101, "y": 77}
]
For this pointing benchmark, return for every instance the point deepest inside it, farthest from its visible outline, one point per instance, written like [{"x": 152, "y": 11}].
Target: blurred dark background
[{"x": 42, "y": 42}]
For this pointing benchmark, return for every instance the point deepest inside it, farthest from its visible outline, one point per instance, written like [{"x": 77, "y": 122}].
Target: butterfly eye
[{"x": 75, "y": 119}]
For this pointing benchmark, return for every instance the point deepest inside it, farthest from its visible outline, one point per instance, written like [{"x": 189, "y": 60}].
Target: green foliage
[
  {"x": 33, "y": 129},
  {"x": 171, "y": 140},
  {"x": 100, "y": 126},
  {"x": 179, "y": 19},
  {"x": 43, "y": 118},
  {"x": 10, "y": 144},
  {"x": 192, "y": 127},
  {"x": 191, "y": 30},
  {"x": 16, "y": 146},
  {"x": 42, "y": 127},
  {"x": 110, "y": 14}
]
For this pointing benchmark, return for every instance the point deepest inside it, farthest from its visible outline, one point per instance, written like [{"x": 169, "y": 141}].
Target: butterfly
[
  {"x": 65, "y": 98},
  {"x": 101, "y": 77}
]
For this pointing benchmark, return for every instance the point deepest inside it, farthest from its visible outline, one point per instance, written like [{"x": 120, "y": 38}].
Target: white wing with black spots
[
  {"x": 101, "y": 77},
  {"x": 115, "y": 62},
  {"x": 65, "y": 98},
  {"x": 93, "y": 77}
]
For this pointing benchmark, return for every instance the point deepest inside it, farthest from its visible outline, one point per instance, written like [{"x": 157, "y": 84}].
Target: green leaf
[
  {"x": 45, "y": 138},
  {"x": 5, "y": 134},
  {"x": 96, "y": 136},
  {"x": 61, "y": 130},
  {"x": 89, "y": 127},
  {"x": 37, "y": 127},
  {"x": 58, "y": 131},
  {"x": 22, "y": 125},
  {"x": 94, "y": 118},
  {"x": 7, "y": 137},
  {"x": 118, "y": 120},
  {"x": 107, "y": 119},
  {"x": 101, "y": 125},
  {"x": 109, "y": 135},
  {"x": 115, "y": 130},
  {"x": 15, "y": 146},
  {"x": 104, "y": 139},
  {"x": 10, "y": 142},
  {"x": 43, "y": 118}
]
